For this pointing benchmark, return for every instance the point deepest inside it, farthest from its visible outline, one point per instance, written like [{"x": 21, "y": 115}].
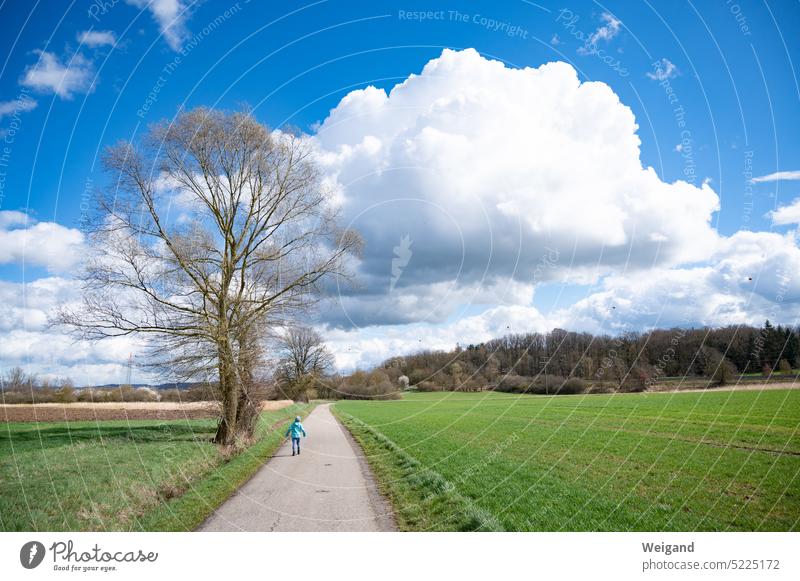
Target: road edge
[{"x": 381, "y": 505}]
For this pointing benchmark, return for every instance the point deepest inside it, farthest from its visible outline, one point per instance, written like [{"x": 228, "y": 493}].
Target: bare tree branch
[{"x": 254, "y": 238}]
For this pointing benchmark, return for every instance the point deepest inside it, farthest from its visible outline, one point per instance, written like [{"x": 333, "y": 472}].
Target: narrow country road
[{"x": 328, "y": 487}]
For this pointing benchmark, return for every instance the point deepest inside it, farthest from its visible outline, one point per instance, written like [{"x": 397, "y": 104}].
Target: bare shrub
[
  {"x": 716, "y": 366},
  {"x": 598, "y": 387},
  {"x": 572, "y": 386},
  {"x": 541, "y": 385},
  {"x": 363, "y": 385},
  {"x": 429, "y": 386},
  {"x": 511, "y": 383},
  {"x": 65, "y": 394}
]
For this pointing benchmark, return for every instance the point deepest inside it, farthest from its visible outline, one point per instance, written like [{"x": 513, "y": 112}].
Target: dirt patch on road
[{"x": 75, "y": 412}]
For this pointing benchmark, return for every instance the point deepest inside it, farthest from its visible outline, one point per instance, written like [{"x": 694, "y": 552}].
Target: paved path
[{"x": 326, "y": 488}]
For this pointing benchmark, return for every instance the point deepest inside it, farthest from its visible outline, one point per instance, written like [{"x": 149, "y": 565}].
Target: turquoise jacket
[{"x": 296, "y": 429}]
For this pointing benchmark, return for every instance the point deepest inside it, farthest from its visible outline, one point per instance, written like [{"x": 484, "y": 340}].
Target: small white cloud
[
  {"x": 555, "y": 40},
  {"x": 17, "y": 106},
  {"x": 786, "y": 214},
  {"x": 679, "y": 147},
  {"x": 10, "y": 218},
  {"x": 604, "y": 33},
  {"x": 663, "y": 69},
  {"x": 781, "y": 175},
  {"x": 50, "y": 75},
  {"x": 171, "y": 17},
  {"x": 47, "y": 244},
  {"x": 95, "y": 38}
]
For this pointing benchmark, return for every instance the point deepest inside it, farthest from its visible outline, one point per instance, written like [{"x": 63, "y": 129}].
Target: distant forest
[
  {"x": 558, "y": 362},
  {"x": 633, "y": 361}
]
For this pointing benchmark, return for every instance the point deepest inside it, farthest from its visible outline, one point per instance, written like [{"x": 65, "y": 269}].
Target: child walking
[{"x": 295, "y": 430}]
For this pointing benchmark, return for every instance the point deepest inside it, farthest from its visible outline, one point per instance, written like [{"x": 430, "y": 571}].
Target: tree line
[
  {"x": 558, "y": 362},
  {"x": 632, "y": 360}
]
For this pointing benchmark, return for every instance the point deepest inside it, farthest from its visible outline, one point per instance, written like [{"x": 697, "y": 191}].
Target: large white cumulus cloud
[
  {"x": 752, "y": 277},
  {"x": 488, "y": 168},
  {"x": 361, "y": 348},
  {"x": 27, "y": 339}
]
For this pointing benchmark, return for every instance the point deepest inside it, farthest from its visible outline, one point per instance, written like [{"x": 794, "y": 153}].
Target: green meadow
[
  {"x": 709, "y": 461},
  {"x": 123, "y": 475}
]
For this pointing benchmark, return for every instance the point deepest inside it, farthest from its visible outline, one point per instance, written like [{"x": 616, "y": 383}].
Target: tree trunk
[
  {"x": 247, "y": 408},
  {"x": 226, "y": 429},
  {"x": 239, "y": 408},
  {"x": 229, "y": 388}
]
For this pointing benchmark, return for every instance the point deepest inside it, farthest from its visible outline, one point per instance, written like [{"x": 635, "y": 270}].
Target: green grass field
[
  {"x": 716, "y": 460},
  {"x": 122, "y": 475}
]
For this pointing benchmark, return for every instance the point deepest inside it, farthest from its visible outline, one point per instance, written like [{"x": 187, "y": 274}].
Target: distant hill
[{"x": 182, "y": 385}]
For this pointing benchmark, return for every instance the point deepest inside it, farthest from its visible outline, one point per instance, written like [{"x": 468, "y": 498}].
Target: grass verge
[
  {"x": 188, "y": 511},
  {"x": 423, "y": 500},
  {"x": 123, "y": 475}
]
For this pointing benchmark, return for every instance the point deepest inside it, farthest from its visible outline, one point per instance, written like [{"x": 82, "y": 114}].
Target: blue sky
[{"x": 721, "y": 102}]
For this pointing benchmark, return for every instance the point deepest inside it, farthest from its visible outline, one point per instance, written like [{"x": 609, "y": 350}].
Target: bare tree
[
  {"x": 253, "y": 240},
  {"x": 304, "y": 360},
  {"x": 17, "y": 380}
]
